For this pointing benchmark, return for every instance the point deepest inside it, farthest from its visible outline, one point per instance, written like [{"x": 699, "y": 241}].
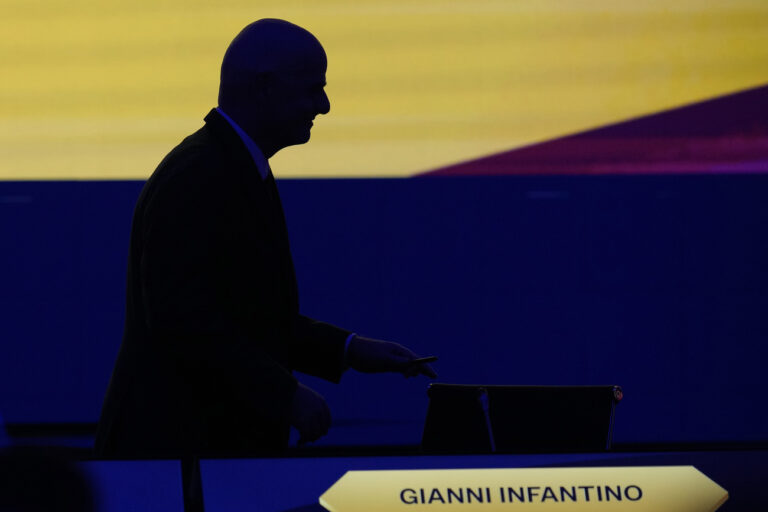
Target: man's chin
[
  {"x": 296, "y": 138},
  {"x": 301, "y": 138}
]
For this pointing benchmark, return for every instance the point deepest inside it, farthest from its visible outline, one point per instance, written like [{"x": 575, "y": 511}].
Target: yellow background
[{"x": 104, "y": 89}]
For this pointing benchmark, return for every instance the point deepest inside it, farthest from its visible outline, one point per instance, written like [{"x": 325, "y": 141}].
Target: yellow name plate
[{"x": 638, "y": 489}]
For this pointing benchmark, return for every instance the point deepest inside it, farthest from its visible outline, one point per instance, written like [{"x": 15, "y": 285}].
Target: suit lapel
[
  {"x": 274, "y": 194},
  {"x": 263, "y": 201},
  {"x": 262, "y": 194},
  {"x": 244, "y": 169}
]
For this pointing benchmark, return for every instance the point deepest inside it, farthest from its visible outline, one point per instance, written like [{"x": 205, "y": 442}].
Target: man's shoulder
[
  {"x": 196, "y": 154},
  {"x": 197, "y": 166},
  {"x": 198, "y": 159},
  {"x": 213, "y": 151}
]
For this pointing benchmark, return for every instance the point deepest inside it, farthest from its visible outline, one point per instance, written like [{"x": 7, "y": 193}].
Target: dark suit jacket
[{"x": 213, "y": 329}]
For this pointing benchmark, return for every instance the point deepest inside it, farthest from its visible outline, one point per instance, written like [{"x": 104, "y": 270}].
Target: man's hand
[
  {"x": 372, "y": 356},
  {"x": 309, "y": 414}
]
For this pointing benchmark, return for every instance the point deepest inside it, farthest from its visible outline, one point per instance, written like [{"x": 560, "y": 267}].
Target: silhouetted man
[{"x": 213, "y": 330}]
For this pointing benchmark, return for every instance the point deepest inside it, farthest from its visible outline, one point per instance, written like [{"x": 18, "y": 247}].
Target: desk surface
[
  {"x": 131, "y": 485},
  {"x": 295, "y": 483}
]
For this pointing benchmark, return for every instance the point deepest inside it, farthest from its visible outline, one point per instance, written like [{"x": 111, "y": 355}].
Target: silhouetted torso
[{"x": 213, "y": 329}]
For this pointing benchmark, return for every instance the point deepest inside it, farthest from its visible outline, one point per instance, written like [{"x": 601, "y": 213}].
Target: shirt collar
[{"x": 258, "y": 157}]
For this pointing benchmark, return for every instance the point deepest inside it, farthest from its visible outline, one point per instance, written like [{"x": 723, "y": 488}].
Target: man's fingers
[
  {"x": 310, "y": 415},
  {"x": 325, "y": 421},
  {"x": 423, "y": 360},
  {"x": 426, "y": 369},
  {"x": 318, "y": 425},
  {"x": 410, "y": 369},
  {"x": 308, "y": 437},
  {"x": 372, "y": 356},
  {"x": 419, "y": 366},
  {"x": 419, "y": 369}
]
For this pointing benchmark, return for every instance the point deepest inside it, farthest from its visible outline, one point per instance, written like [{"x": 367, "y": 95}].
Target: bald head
[
  {"x": 272, "y": 80},
  {"x": 265, "y": 47}
]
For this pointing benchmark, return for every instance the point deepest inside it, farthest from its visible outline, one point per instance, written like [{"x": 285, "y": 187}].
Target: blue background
[{"x": 655, "y": 283}]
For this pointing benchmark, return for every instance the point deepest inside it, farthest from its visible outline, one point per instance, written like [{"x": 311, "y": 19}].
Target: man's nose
[{"x": 323, "y": 104}]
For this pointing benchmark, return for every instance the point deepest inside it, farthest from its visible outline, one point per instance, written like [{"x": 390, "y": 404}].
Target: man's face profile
[
  {"x": 296, "y": 97},
  {"x": 272, "y": 83}
]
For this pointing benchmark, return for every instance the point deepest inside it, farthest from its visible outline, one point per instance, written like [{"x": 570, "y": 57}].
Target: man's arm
[{"x": 318, "y": 348}]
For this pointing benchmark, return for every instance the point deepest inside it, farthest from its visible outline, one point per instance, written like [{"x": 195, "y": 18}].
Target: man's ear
[{"x": 264, "y": 84}]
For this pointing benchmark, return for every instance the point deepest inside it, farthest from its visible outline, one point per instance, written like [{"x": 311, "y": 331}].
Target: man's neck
[
  {"x": 254, "y": 129},
  {"x": 255, "y": 150}
]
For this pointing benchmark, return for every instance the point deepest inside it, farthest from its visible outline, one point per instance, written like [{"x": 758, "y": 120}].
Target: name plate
[{"x": 638, "y": 489}]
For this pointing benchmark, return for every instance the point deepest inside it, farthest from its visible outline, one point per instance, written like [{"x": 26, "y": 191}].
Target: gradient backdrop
[{"x": 589, "y": 208}]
